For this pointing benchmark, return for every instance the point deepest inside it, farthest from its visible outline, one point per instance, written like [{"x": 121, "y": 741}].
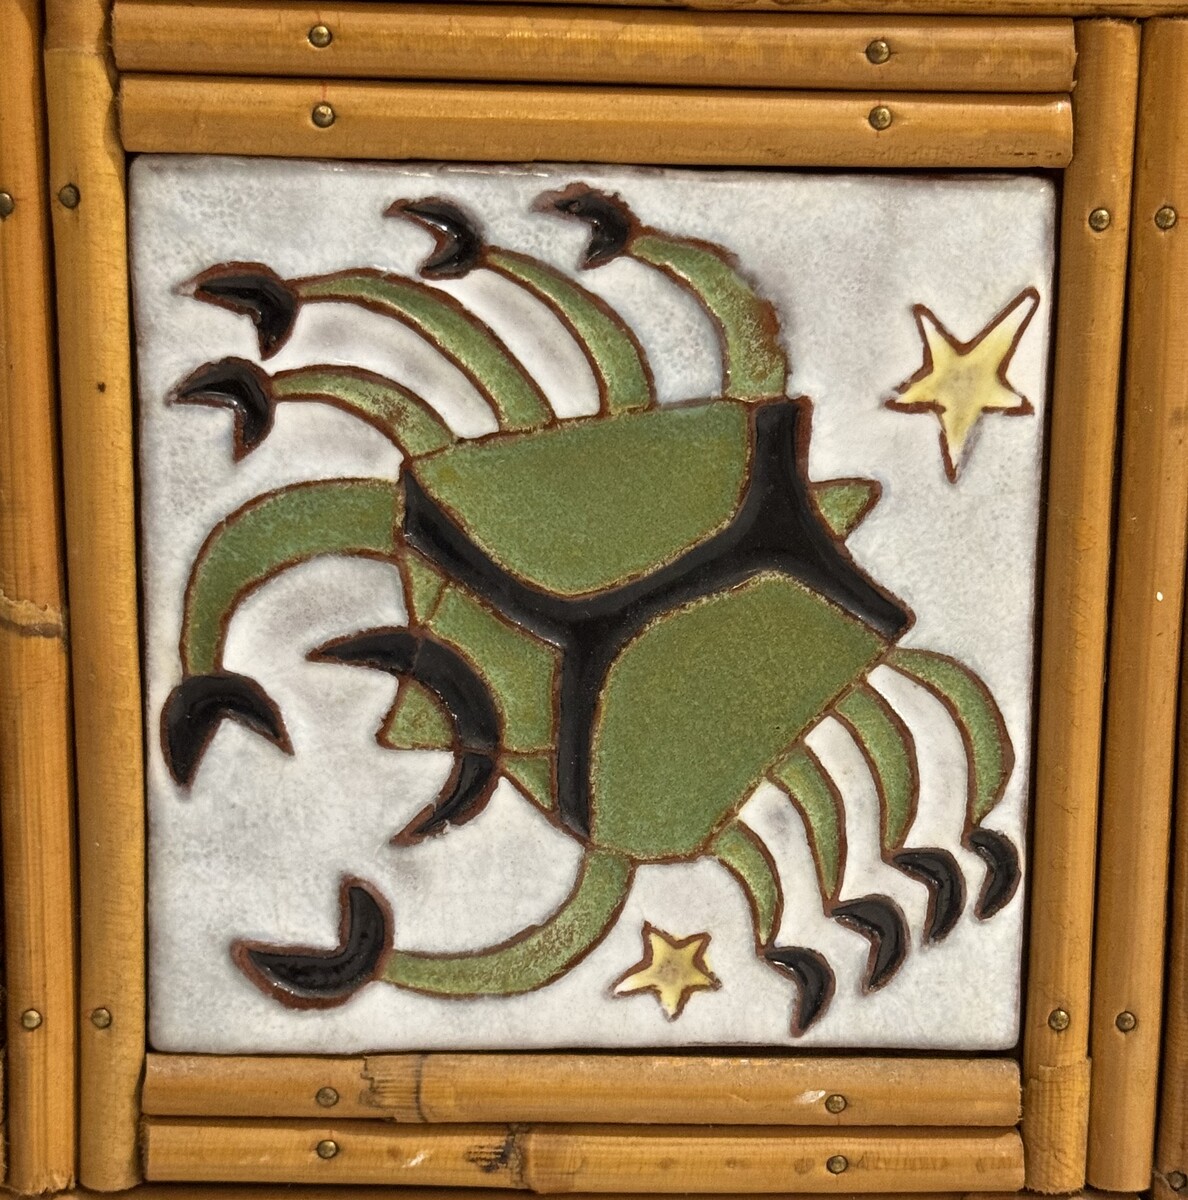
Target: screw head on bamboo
[
  {"x": 1126, "y": 1021},
  {"x": 327, "y": 1148},
  {"x": 837, "y": 1164},
  {"x": 878, "y": 52},
  {"x": 7, "y": 204},
  {"x": 322, "y": 116},
  {"x": 1059, "y": 1020},
  {"x": 69, "y": 196},
  {"x": 835, "y": 1103},
  {"x": 1099, "y": 220},
  {"x": 880, "y": 117},
  {"x": 320, "y": 37},
  {"x": 101, "y": 1018},
  {"x": 30, "y": 1019},
  {"x": 327, "y": 1097},
  {"x": 1166, "y": 217}
]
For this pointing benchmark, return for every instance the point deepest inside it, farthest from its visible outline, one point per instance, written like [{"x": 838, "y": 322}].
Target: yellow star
[
  {"x": 671, "y": 969},
  {"x": 960, "y": 381}
]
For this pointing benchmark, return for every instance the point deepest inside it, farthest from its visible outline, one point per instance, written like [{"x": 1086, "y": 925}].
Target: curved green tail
[{"x": 530, "y": 959}]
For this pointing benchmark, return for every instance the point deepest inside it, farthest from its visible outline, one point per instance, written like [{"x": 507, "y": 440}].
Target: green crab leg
[
  {"x": 741, "y": 852},
  {"x": 755, "y": 366},
  {"x": 615, "y": 356}
]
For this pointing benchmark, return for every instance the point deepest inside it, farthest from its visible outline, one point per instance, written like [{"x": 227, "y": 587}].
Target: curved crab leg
[
  {"x": 755, "y": 366},
  {"x": 615, "y": 356},
  {"x": 405, "y": 419},
  {"x": 272, "y": 303}
]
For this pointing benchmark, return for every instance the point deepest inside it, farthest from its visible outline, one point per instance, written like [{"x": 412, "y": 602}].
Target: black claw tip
[
  {"x": 305, "y": 977},
  {"x": 1002, "y": 875},
  {"x": 611, "y": 221},
  {"x": 199, "y": 703},
  {"x": 879, "y": 919},
  {"x": 459, "y": 247},
  {"x": 464, "y": 796},
  {"x": 255, "y": 291},
  {"x": 813, "y": 977},
  {"x": 236, "y": 384},
  {"x": 939, "y": 872}
]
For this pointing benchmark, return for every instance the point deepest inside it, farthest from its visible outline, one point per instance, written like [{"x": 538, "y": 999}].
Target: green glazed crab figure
[{"x": 655, "y": 642}]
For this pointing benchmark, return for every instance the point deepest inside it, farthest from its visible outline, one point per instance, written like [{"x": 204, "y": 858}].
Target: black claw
[
  {"x": 939, "y": 872},
  {"x": 459, "y": 246},
  {"x": 611, "y": 221},
  {"x": 305, "y": 977},
  {"x": 239, "y": 385},
  {"x": 252, "y": 290},
  {"x": 813, "y": 977},
  {"x": 1002, "y": 875},
  {"x": 878, "y": 918},
  {"x": 199, "y": 703}
]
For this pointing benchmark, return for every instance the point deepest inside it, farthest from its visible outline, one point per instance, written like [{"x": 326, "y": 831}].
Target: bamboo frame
[
  {"x": 448, "y": 41},
  {"x": 96, "y": 397},
  {"x": 1144, "y": 652},
  {"x": 35, "y": 751}
]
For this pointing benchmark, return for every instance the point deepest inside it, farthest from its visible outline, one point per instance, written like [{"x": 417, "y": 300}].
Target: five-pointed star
[
  {"x": 672, "y": 969},
  {"x": 960, "y": 381}
]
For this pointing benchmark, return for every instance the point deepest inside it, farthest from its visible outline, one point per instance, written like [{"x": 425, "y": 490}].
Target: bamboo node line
[{"x": 31, "y": 620}]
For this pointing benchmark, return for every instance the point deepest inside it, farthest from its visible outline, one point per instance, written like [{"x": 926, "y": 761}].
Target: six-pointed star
[{"x": 672, "y": 969}]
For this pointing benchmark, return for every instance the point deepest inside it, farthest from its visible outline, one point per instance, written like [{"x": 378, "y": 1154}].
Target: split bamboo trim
[
  {"x": 258, "y": 1191},
  {"x": 501, "y": 123},
  {"x": 610, "y": 1089},
  {"x": 1131, "y": 9},
  {"x": 96, "y": 397},
  {"x": 574, "y": 1158},
  {"x": 36, "y": 799},
  {"x": 438, "y": 41},
  {"x": 1092, "y": 294},
  {"x": 1145, "y": 638}
]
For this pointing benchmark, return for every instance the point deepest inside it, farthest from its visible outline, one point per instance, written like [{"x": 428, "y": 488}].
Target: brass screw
[
  {"x": 835, "y": 1103},
  {"x": 1166, "y": 217},
  {"x": 327, "y": 1148},
  {"x": 1099, "y": 220},
  {"x": 837, "y": 1164},
  {"x": 327, "y": 1097},
  {"x": 69, "y": 196},
  {"x": 320, "y": 36},
  {"x": 101, "y": 1018},
  {"x": 878, "y": 52},
  {"x": 1059, "y": 1020},
  {"x": 7, "y": 204},
  {"x": 322, "y": 116},
  {"x": 1126, "y": 1021},
  {"x": 30, "y": 1018},
  {"x": 880, "y": 117},
  {"x": 1177, "y": 1180}
]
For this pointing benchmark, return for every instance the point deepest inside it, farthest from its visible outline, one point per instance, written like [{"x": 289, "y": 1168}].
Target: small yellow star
[
  {"x": 960, "y": 381},
  {"x": 671, "y": 969}
]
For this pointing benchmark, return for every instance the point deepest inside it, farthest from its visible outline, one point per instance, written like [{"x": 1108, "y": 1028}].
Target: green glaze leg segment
[
  {"x": 271, "y": 534},
  {"x": 800, "y": 776},
  {"x": 533, "y": 958},
  {"x": 741, "y": 852},
  {"x": 465, "y": 340}
]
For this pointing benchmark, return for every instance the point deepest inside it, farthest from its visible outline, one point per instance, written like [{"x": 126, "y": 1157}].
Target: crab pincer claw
[
  {"x": 880, "y": 920},
  {"x": 251, "y": 290},
  {"x": 1002, "y": 875},
  {"x": 196, "y": 708},
  {"x": 813, "y": 977},
  {"x": 236, "y": 384},
  {"x": 611, "y": 221},
  {"x": 459, "y": 247}
]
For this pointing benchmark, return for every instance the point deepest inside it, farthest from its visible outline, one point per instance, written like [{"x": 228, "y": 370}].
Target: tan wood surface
[
  {"x": 996, "y": 8},
  {"x": 612, "y": 1089},
  {"x": 36, "y": 800},
  {"x": 500, "y": 123},
  {"x": 1145, "y": 638},
  {"x": 575, "y": 1158},
  {"x": 1091, "y": 304},
  {"x": 260, "y": 1191},
  {"x": 96, "y": 412},
  {"x": 448, "y": 41}
]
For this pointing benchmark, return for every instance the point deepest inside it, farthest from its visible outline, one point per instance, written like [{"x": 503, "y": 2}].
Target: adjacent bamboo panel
[
  {"x": 36, "y": 800},
  {"x": 1092, "y": 293},
  {"x": 500, "y": 123},
  {"x": 96, "y": 395},
  {"x": 611, "y": 1089},
  {"x": 452, "y": 41},
  {"x": 1145, "y": 639},
  {"x": 569, "y": 1158}
]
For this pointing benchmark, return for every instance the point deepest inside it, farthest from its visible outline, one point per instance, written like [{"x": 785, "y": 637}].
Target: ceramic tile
[{"x": 586, "y": 606}]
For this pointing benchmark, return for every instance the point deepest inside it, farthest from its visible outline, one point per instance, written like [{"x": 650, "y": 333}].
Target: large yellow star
[
  {"x": 672, "y": 969},
  {"x": 960, "y": 381}
]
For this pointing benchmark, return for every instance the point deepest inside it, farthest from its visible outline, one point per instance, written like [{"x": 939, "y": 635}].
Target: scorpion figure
[{"x": 658, "y": 640}]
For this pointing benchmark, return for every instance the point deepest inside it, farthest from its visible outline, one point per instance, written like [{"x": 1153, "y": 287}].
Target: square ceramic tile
[{"x": 587, "y": 607}]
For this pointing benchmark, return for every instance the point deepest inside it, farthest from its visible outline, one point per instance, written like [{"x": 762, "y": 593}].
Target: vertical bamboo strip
[
  {"x": 91, "y": 259},
  {"x": 35, "y": 755},
  {"x": 1076, "y": 592},
  {"x": 1145, "y": 637}
]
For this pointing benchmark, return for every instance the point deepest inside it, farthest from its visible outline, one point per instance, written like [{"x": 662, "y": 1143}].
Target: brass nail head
[
  {"x": 835, "y": 1103},
  {"x": 7, "y": 204},
  {"x": 878, "y": 52},
  {"x": 1176, "y": 1180},
  {"x": 1126, "y": 1021},
  {"x": 880, "y": 117},
  {"x": 322, "y": 116},
  {"x": 837, "y": 1164},
  {"x": 320, "y": 37},
  {"x": 1059, "y": 1020},
  {"x": 327, "y": 1097},
  {"x": 1166, "y": 217},
  {"x": 69, "y": 196},
  {"x": 101, "y": 1018},
  {"x": 30, "y": 1018},
  {"x": 1099, "y": 220},
  {"x": 327, "y": 1148}
]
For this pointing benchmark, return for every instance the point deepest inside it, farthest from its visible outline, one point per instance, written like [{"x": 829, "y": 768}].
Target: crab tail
[
  {"x": 615, "y": 356},
  {"x": 403, "y": 417},
  {"x": 270, "y": 534},
  {"x": 754, "y": 364},
  {"x": 991, "y": 760}
]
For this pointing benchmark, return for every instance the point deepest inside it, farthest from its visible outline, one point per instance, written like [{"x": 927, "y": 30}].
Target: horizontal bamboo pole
[
  {"x": 508, "y": 123},
  {"x": 591, "y": 1158},
  {"x": 263, "y": 1191},
  {"x": 611, "y": 1089},
  {"x": 452, "y": 41},
  {"x": 1131, "y": 9}
]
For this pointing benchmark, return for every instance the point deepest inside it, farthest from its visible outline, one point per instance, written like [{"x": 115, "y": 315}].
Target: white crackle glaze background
[{"x": 258, "y": 846}]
